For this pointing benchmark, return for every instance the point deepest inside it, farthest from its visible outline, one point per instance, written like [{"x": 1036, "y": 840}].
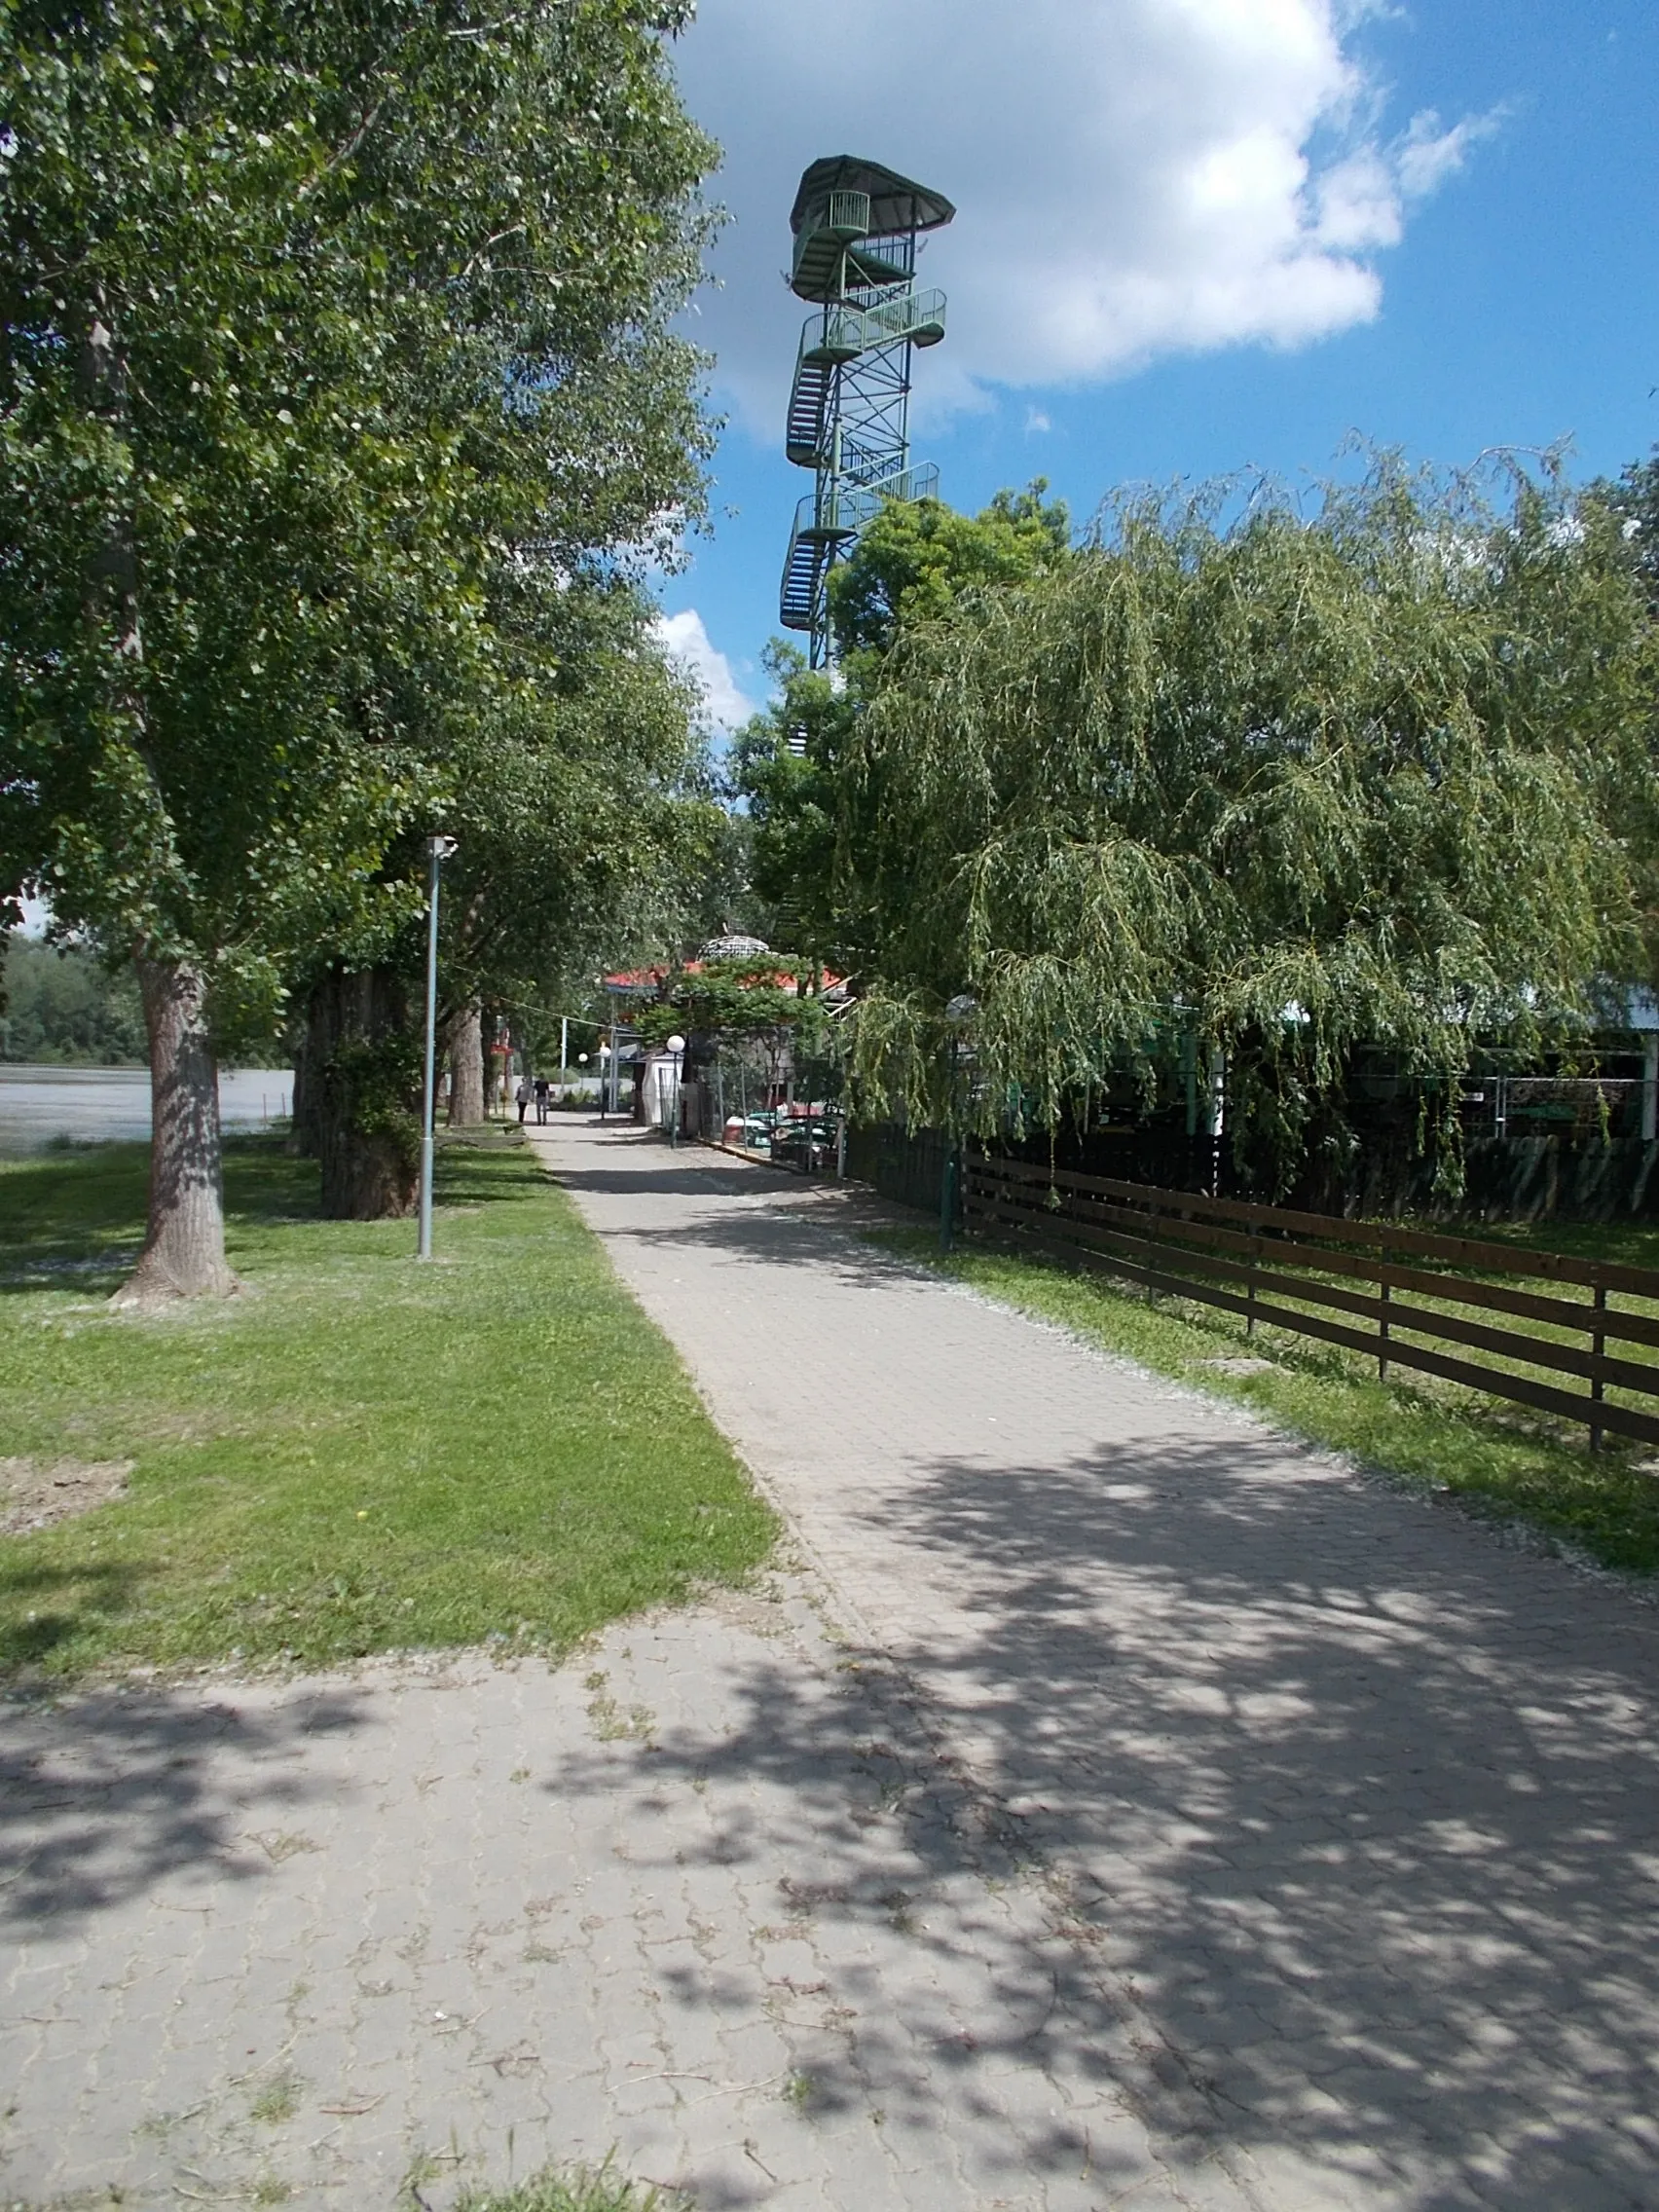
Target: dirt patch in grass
[{"x": 36, "y": 1493}]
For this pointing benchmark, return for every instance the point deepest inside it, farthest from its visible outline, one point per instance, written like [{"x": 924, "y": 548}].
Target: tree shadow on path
[
  {"x": 107, "y": 1795},
  {"x": 1355, "y": 1802},
  {"x": 1343, "y": 1867}
]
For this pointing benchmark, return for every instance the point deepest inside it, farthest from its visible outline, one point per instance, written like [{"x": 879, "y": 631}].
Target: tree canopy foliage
[
  {"x": 335, "y": 346},
  {"x": 726, "y": 1001},
  {"x": 1633, "y": 496},
  {"x": 1280, "y": 785},
  {"x": 918, "y": 557},
  {"x": 909, "y": 567},
  {"x": 582, "y": 804},
  {"x": 316, "y": 319}
]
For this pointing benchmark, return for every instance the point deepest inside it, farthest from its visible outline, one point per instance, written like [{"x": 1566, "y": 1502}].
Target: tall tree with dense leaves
[
  {"x": 1633, "y": 496},
  {"x": 909, "y": 567},
  {"x": 321, "y": 325},
  {"x": 918, "y": 557},
  {"x": 582, "y": 812},
  {"x": 585, "y": 816},
  {"x": 1378, "y": 775}
]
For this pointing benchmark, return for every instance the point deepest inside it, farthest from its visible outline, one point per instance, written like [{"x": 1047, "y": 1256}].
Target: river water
[{"x": 84, "y": 1104}]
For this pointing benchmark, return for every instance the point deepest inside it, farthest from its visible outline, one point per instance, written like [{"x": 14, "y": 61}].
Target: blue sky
[{"x": 1194, "y": 237}]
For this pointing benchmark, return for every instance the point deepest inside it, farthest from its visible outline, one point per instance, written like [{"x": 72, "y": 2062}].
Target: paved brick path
[
  {"x": 1356, "y": 1806},
  {"x": 1112, "y": 1806}
]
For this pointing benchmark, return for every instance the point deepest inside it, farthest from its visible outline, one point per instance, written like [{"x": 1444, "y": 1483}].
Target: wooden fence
[{"x": 1230, "y": 1253}]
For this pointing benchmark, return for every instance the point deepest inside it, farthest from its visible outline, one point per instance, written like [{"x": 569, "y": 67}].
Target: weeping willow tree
[{"x": 1273, "y": 785}]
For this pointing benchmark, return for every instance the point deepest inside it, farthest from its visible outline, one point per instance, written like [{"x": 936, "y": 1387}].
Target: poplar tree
[{"x": 326, "y": 326}]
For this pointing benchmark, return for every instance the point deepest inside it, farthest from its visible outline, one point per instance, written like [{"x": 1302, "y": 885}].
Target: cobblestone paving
[
  {"x": 1353, "y": 1803},
  {"x": 1111, "y": 1805},
  {"x": 707, "y": 1896}
]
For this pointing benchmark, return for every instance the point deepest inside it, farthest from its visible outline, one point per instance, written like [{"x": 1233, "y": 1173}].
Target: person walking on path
[
  {"x": 522, "y": 1096},
  {"x": 541, "y": 1087}
]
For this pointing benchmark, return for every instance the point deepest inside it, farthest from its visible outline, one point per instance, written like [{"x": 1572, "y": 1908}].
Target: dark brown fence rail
[{"x": 1249, "y": 1259}]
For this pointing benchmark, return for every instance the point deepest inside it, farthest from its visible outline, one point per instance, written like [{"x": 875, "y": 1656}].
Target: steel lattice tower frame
[{"x": 855, "y": 226}]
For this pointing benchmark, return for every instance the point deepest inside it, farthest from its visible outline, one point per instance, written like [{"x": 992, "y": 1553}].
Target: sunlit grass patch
[{"x": 370, "y": 1453}]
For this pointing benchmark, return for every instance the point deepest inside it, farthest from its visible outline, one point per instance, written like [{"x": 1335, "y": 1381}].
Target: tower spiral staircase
[{"x": 855, "y": 226}]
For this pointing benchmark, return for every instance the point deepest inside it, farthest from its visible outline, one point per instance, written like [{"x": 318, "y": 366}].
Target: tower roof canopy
[{"x": 897, "y": 204}]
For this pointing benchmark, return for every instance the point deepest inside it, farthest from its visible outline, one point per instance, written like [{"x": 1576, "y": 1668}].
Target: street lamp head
[
  {"x": 604, "y": 1052},
  {"x": 581, "y": 1059},
  {"x": 441, "y": 848},
  {"x": 676, "y": 1043}
]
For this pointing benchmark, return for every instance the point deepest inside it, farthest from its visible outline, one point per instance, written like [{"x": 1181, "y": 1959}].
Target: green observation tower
[{"x": 855, "y": 226}]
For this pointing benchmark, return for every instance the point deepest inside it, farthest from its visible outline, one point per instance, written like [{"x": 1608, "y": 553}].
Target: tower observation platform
[{"x": 855, "y": 226}]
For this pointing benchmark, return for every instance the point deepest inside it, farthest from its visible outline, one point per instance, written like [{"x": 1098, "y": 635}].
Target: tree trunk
[
  {"x": 363, "y": 1092},
  {"x": 184, "y": 1244},
  {"x": 304, "y": 1136},
  {"x": 463, "y": 1043},
  {"x": 184, "y": 1250}
]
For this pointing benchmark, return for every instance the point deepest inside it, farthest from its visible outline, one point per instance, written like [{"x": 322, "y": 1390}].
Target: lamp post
[
  {"x": 959, "y": 1012},
  {"x": 677, "y": 1046},
  {"x": 604, "y": 1075},
  {"x": 438, "y": 850}
]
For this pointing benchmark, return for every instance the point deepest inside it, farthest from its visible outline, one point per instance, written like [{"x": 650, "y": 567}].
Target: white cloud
[
  {"x": 1359, "y": 204},
  {"x": 1036, "y": 422},
  {"x": 1426, "y": 155},
  {"x": 688, "y": 643},
  {"x": 1132, "y": 177}
]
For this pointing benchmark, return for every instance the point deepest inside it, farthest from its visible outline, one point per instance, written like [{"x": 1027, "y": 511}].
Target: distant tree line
[{"x": 65, "y": 1005}]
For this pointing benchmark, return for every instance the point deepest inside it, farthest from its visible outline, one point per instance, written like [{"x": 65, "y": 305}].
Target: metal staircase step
[
  {"x": 803, "y": 437},
  {"x": 803, "y": 575},
  {"x": 824, "y": 522},
  {"x": 842, "y": 334}
]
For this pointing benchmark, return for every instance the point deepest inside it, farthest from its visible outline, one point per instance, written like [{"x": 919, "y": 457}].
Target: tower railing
[
  {"x": 918, "y": 315},
  {"x": 847, "y": 214},
  {"x": 843, "y": 333},
  {"x": 844, "y": 509}
]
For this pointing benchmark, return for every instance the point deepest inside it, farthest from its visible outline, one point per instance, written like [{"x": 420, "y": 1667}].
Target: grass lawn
[
  {"x": 1630, "y": 1243},
  {"x": 1439, "y": 1436},
  {"x": 368, "y": 1454}
]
